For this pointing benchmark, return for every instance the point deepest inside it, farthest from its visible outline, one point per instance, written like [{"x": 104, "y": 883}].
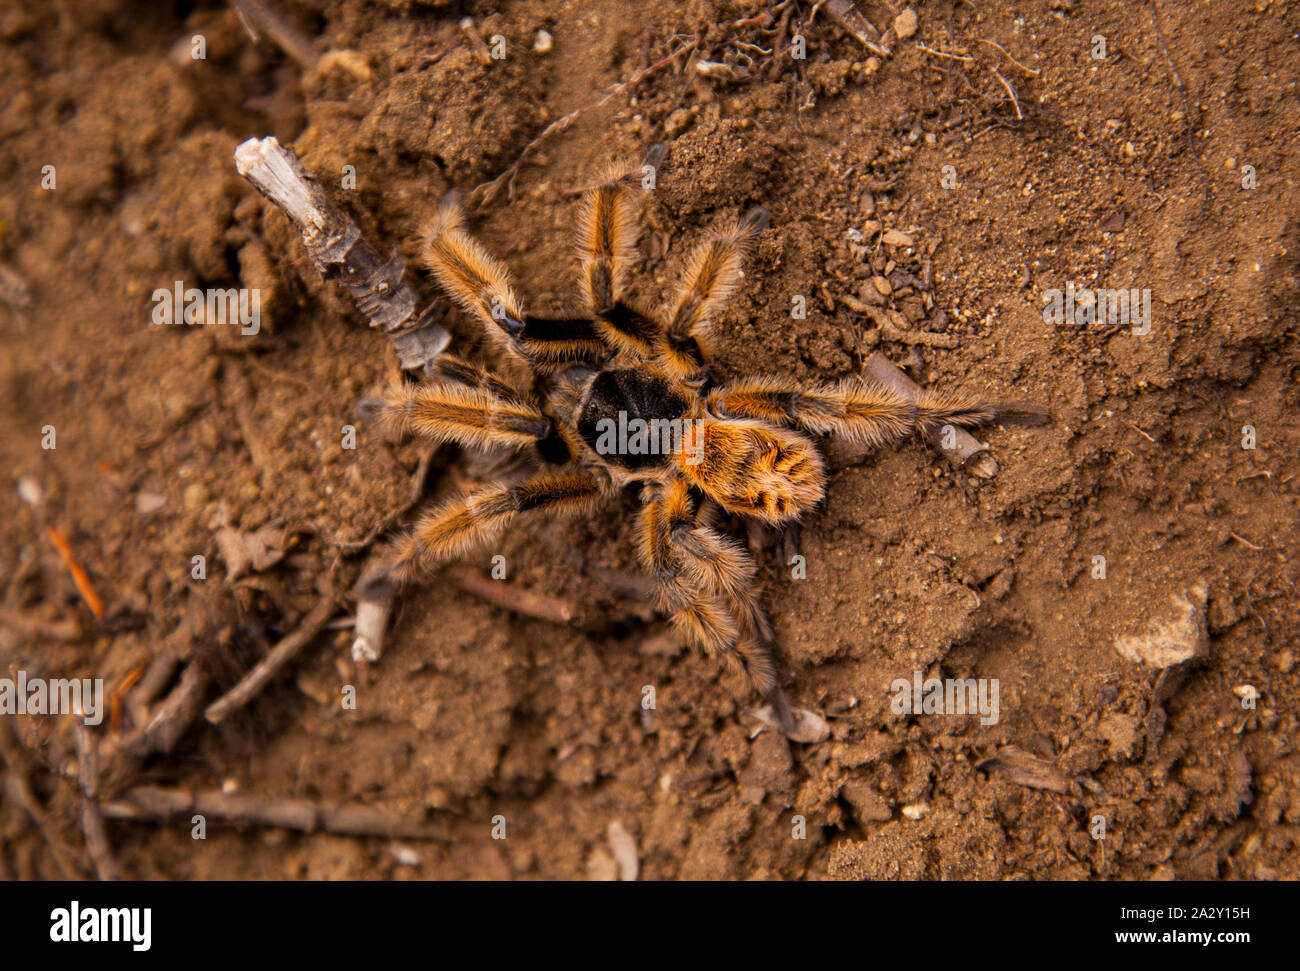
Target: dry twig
[
  {"x": 257, "y": 16},
  {"x": 337, "y": 249},
  {"x": 515, "y": 598},
  {"x": 846, "y": 14},
  {"x": 304, "y": 815},
  {"x": 284, "y": 652}
]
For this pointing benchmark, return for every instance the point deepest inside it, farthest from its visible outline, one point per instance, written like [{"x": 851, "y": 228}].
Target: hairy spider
[{"x": 744, "y": 448}]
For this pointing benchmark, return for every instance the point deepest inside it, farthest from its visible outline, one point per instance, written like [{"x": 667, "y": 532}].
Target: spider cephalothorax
[{"x": 622, "y": 395}]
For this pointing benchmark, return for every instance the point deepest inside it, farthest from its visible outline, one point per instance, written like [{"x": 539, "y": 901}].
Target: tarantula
[{"x": 745, "y": 448}]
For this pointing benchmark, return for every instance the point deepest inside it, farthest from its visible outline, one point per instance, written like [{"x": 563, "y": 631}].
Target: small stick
[
  {"x": 1142, "y": 433},
  {"x": 967, "y": 452},
  {"x": 171, "y": 717},
  {"x": 255, "y": 15},
  {"x": 337, "y": 249},
  {"x": 55, "y": 630},
  {"x": 937, "y": 53},
  {"x": 483, "y": 195},
  {"x": 79, "y": 575},
  {"x": 891, "y": 332},
  {"x": 18, "y": 789},
  {"x": 284, "y": 652},
  {"x": 377, "y": 593},
  {"x": 515, "y": 598},
  {"x": 304, "y": 815},
  {"x": 1011, "y": 91},
  {"x": 98, "y": 846},
  {"x": 993, "y": 43}
]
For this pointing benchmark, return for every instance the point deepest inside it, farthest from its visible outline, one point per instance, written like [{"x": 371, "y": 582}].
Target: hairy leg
[
  {"x": 861, "y": 411},
  {"x": 607, "y": 230},
  {"x": 705, "y": 585},
  {"x": 474, "y": 279},
  {"x": 480, "y": 417},
  {"x": 470, "y": 520},
  {"x": 710, "y": 277}
]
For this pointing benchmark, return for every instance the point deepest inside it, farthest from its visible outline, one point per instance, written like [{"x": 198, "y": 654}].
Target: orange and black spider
[{"x": 747, "y": 447}]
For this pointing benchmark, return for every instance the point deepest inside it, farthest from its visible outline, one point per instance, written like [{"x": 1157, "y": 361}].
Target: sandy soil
[{"x": 1127, "y": 170}]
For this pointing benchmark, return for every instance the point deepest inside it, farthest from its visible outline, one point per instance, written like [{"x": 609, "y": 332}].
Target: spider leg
[
  {"x": 479, "y": 417},
  {"x": 704, "y": 582},
  {"x": 469, "y": 520},
  {"x": 607, "y": 230},
  {"x": 458, "y": 370},
  {"x": 481, "y": 285},
  {"x": 474, "y": 279},
  {"x": 552, "y": 343},
  {"x": 861, "y": 411},
  {"x": 711, "y": 276}
]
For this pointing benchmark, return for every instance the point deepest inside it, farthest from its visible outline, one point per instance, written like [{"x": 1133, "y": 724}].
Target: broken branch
[
  {"x": 337, "y": 249},
  {"x": 266, "y": 669}
]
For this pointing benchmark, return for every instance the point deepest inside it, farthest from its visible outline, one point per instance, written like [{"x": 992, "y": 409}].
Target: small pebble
[
  {"x": 905, "y": 24},
  {"x": 543, "y": 42},
  {"x": 149, "y": 502},
  {"x": 30, "y": 491},
  {"x": 196, "y": 496}
]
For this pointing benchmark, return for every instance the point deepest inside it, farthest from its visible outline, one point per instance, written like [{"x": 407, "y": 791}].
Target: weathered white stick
[{"x": 337, "y": 248}]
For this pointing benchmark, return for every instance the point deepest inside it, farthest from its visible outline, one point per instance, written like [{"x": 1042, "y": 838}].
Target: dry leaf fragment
[
  {"x": 258, "y": 550},
  {"x": 1026, "y": 769}
]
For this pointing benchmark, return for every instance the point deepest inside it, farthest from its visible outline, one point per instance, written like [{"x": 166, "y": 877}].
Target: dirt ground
[{"x": 1166, "y": 165}]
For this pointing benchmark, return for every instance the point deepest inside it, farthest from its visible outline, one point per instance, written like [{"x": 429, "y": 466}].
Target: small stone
[
  {"x": 882, "y": 285},
  {"x": 195, "y": 496},
  {"x": 1180, "y": 636},
  {"x": 543, "y": 42},
  {"x": 893, "y": 237},
  {"x": 1286, "y": 661},
  {"x": 905, "y": 24},
  {"x": 29, "y": 491},
  {"x": 149, "y": 502}
]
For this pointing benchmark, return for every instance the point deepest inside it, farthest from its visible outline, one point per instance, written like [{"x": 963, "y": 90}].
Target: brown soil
[{"x": 1100, "y": 172}]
